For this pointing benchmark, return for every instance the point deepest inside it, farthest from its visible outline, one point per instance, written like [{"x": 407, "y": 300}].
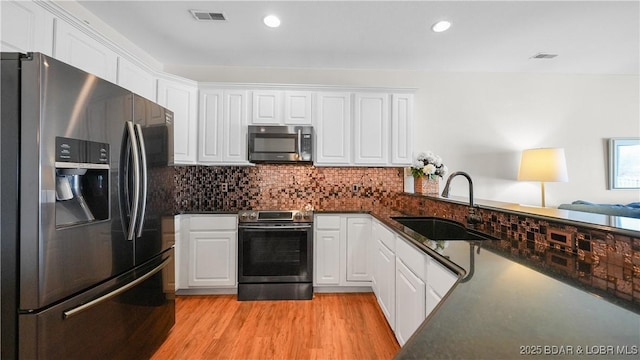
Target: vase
[{"x": 426, "y": 185}]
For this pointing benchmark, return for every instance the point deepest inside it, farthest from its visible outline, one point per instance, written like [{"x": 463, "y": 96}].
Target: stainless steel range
[{"x": 275, "y": 255}]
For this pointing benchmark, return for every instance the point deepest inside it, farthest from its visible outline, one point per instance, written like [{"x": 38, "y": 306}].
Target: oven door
[{"x": 275, "y": 253}]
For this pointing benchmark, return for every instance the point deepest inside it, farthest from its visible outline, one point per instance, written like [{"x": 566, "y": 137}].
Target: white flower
[
  {"x": 421, "y": 156},
  {"x": 418, "y": 164},
  {"x": 437, "y": 161},
  {"x": 444, "y": 170},
  {"x": 429, "y": 169}
]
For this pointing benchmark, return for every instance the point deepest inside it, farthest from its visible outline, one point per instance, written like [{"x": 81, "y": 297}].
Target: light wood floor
[{"x": 331, "y": 326}]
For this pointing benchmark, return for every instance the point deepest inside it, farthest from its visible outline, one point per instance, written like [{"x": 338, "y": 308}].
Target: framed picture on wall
[{"x": 624, "y": 163}]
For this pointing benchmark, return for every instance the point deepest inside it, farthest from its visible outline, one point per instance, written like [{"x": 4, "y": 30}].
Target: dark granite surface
[
  {"x": 504, "y": 309},
  {"x": 620, "y": 224}
]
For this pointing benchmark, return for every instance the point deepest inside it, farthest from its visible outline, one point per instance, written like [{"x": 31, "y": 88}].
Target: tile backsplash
[
  {"x": 605, "y": 262},
  {"x": 279, "y": 187}
]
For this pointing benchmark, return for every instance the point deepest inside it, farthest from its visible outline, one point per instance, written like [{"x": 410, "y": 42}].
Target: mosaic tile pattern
[
  {"x": 599, "y": 260},
  {"x": 602, "y": 261},
  {"x": 280, "y": 187}
]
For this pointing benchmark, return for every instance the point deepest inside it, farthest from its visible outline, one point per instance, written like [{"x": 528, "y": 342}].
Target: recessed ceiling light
[
  {"x": 271, "y": 21},
  {"x": 441, "y": 26}
]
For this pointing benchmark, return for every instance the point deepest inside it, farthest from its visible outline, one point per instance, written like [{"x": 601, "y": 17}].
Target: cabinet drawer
[
  {"x": 412, "y": 257},
  {"x": 439, "y": 278},
  {"x": 327, "y": 222},
  {"x": 213, "y": 222},
  {"x": 384, "y": 235}
]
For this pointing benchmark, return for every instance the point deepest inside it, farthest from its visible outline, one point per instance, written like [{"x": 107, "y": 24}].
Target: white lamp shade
[{"x": 545, "y": 165}]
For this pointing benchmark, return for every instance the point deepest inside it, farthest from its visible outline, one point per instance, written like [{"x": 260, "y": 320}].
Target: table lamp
[{"x": 544, "y": 165}]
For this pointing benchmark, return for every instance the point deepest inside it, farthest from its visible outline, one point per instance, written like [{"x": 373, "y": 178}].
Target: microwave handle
[{"x": 299, "y": 144}]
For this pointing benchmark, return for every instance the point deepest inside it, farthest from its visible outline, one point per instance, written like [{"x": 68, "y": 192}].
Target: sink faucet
[{"x": 473, "y": 217}]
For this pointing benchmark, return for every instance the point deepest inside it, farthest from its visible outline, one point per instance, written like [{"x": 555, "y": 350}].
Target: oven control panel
[{"x": 275, "y": 216}]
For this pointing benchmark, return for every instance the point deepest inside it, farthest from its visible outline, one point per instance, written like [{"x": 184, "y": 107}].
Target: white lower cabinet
[
  {"x": 208, "y": 251},
  {"x": 341, "y": 250},
  {"x": 410, "y": 300},
  {"x": 439, "y": 281},
  {"x": 358, "y": 243},
  {"x": 407, "y": 282},
  {"x": 327, "y": 254},
  {"x": 383, "y": 279},
  {"x": 410, "y": 290}
]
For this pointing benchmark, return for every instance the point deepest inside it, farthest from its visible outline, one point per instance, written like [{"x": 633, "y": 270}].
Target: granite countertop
[{"x": 501, "y": 309}]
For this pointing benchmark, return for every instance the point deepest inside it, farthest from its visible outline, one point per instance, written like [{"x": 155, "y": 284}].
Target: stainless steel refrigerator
[{"x": 87, "y": 215}]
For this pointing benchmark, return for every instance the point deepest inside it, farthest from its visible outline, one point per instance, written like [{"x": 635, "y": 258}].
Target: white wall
[{"x": 479, "y": 122}]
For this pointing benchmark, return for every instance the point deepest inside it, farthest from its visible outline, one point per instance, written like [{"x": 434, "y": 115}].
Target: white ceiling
[{"x": 592, "y": 37}]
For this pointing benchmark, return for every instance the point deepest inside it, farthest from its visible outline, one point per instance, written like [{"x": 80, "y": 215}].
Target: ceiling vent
[
  {"x": 207, "y": 16},
  {"x": 543, "y": 56}
]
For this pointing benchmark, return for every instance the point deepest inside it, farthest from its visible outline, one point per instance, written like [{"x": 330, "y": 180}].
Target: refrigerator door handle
[
  {"x": 143, "y": 167},
  {"x": 77, "y": 310},
  {"x": 136, "y": 180}
]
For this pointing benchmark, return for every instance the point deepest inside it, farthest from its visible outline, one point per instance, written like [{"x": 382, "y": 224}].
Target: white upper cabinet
[
  {"x": 297, "y": 108},
  {"x": 181, "y": 97},
  {"x": 401, "y": 129},
  {"x": 222, "y": 130},
  {"x": 371, "y": 128},
  {"x": 82, "y": 51},
  {"x": 333, "y": 129},
  {"x": 210, "y": 127},
  {"x": 235, "y": 127},
  {"x": 277, "y": 107},
  {"x": 136, "y": 79},
  {"x": 26, "y": 27},
  {"x": 267, "y": 107}
]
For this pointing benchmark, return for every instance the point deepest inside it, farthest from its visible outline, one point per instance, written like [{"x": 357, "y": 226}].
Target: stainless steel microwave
[{"x": 280, "y": 144}]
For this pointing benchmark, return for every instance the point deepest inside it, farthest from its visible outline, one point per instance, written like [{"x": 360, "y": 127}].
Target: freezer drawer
[{"x": 126, "y": 318}]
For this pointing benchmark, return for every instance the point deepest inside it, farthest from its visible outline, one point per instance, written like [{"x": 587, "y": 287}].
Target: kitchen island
[{"x": 502, "y": 309}]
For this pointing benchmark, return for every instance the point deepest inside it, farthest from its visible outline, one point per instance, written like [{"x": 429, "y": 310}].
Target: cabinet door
[
  {"x": 181, "y": 98},
  {"x": 210, "y": 127},
  {"x": 439, "y": 281},
  {"x": 401, "y": 129},
  {"x": 410, "y": 302},
  {"x": 136, "y": 79},
  {"x": 384, "y": 266},
  {"x": 297, "y": 108},
  {"x": 26, "y": 27},
  {"x": 82, "y": 51},
  {"x": 327, "y": 257},
  {"x": 267, "y": 107},
  {"x": 358, "y": 243},
  {"x": 371, "y": 126},
  {"x": 333, "y": 129},
  {"x": 212, "y": 258},
  {"x": 235, "y": 127}
]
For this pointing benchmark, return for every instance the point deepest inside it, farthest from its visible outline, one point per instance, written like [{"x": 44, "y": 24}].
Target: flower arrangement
[{"x": 429, "y": 165}]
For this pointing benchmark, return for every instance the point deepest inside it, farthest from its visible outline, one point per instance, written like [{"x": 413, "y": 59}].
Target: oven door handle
[{"x": 275, "y": 227}]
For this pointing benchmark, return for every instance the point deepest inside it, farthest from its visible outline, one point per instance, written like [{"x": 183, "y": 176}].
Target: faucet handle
[{"x": 473, "y": 217}]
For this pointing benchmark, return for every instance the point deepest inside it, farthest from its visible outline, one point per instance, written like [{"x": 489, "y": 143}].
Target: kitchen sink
[{"x": 440, "y": 229}]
